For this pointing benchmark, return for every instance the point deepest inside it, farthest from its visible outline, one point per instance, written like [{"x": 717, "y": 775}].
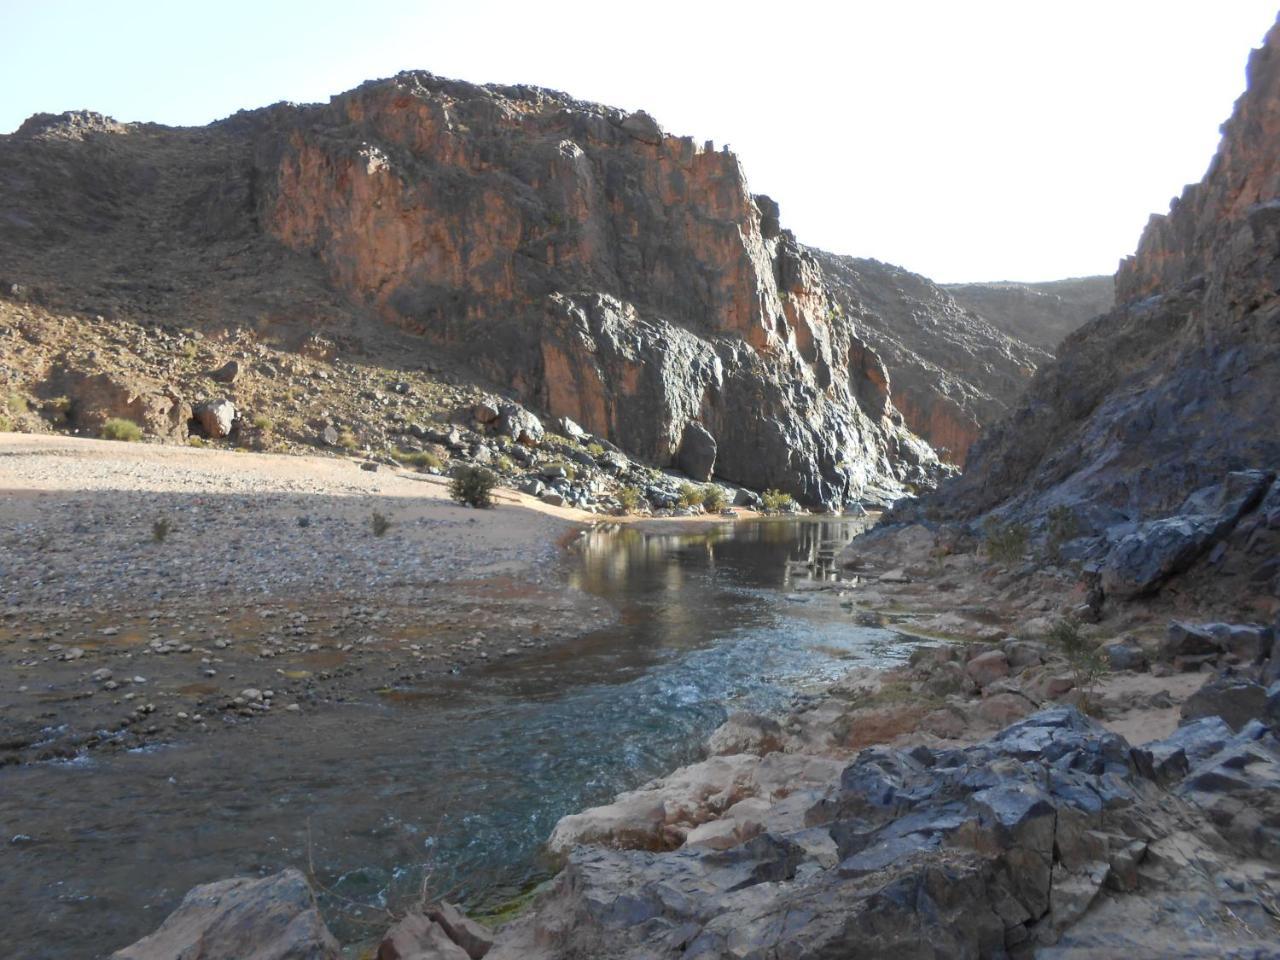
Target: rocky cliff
[
  {"x": 574, "y": 254},
  {"x": 1177, "y": 386},
  {"x": 1041, "y": 314},
  {"x": 952, "y": 372}
]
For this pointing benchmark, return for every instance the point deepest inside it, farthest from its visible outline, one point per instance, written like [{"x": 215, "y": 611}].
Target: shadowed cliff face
[
  {"x": 952, "y": 372},
  {"x": 1177, "y": 385},
  {"x": 573, "y": 253},
  {"x": 606, "y": 271}
]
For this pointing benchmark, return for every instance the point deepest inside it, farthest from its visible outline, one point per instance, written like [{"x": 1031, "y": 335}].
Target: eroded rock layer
[{"x": 952, "y": 372}]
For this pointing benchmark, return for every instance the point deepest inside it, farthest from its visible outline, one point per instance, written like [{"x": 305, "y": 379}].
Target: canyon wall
[
  {"x": 1039, "y": 314},
  {"x": 1176, "y": 386},
  {"x": 952, "y": 372}
]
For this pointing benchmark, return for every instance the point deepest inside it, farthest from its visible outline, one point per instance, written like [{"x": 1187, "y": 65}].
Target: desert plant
[
  {"x": 160, "y": 529},
  {"x": 1005, "y": 543},
  {"x": 264, "y": 423},
  {"x": 629, "y": 498},
  {"x": 189, "y": 350},
  {"x": 775, "y": 500},
  {"x": 690, "y": 495},
  {"x": 380, "y": 523},
  {"x": 347, "y": 440},
  {"x": 595, "y": 449},
  {"x": 1062, "y": 527},
  {"x": 117, "y": 428},
  {"x": 195, "y": 441},
  {"x": 473, "y": 486},
  {"x": 1087, "y": 663},
  {"x": 504, "y": 464},
  {"x": 417, "y": 458},
  {"x": 713, "y": 498}
]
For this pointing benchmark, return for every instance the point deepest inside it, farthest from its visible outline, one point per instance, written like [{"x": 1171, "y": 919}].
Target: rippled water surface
[{"x": 464, "y": 780}]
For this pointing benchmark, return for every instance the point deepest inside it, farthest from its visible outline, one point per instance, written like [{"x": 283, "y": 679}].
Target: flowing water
[{"x": 464, "y": 780}]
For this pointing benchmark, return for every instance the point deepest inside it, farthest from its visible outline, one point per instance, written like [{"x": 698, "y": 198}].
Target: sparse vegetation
[
  {"x": 189, "y": 350},
  {"x": 264, "y": 423},
  {"x": 347, "y": 440},
  {"x": 195, "y": 441},
  {"x": 160, "y": 529},
  {"x": 117, "y": 428},
  {"x": 473, "y": 486},
  {"x": 504, "y": 464},
  {"x": 422, "y": 459},
  {"x": 629, "y": 498},
  {"x": 1087, "y": 663},
  {"x": 570, "y": 471},
  {"x": 713, "y": 498},
  {"x": 380, "y": 523},
  {"x": 1062, "y": 527},
  {"x": 1005, "y": 543},
  {"x": 691, "y": 495},
  {"x": 776, "y": 501},
  {"x": 595, "y": 449},
  {"x": 15, "y": 405}
]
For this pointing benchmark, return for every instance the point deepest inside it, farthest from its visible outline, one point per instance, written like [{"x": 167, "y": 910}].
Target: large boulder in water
[{"x": 274, "y": 918}]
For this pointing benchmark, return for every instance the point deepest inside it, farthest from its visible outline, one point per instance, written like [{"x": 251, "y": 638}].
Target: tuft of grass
[
  {"x": 1006, "y": 543},
  {"x": 774, "y": 500},
  {"x": 713, "y": 498},
  {"x": 380, "y": 523},
  {"x": 160, "y": 529},
  {"x": 1087, "y": 663},
  {"x": 189, "y": 350},
  {"x": 195, "y": 441},
  {"x": 417, "y": 458},
  {"x": 504, "y": 464},
  {"x": 347, "y": 440},
  {"x": 629, "y": 498},
  {"x": 473, "y": 486},
  {"x": 595, "y": 449},
  {"x": 691, "y": 495},
  {"x": 117, "y": 428},
  {"x": 264, "y": 423}
]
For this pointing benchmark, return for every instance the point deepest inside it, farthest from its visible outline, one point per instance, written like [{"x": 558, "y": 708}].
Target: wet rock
[{"x": 274, "y": 918}]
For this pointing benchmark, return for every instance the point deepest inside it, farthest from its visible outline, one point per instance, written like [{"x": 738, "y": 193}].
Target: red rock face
[{"x": 607, "y": 271}]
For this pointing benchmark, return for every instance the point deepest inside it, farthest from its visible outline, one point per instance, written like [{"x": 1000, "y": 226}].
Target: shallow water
[{"x": 462, "y": 781}]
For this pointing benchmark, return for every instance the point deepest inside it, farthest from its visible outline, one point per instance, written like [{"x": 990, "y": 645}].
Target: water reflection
[{"x": 466, "y": 780}]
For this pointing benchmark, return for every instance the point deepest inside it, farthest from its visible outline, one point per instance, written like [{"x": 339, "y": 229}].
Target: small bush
[
  {"x": 595, "y": 449},
  {"x": 117, "y": 428},
  {"x": 1087, "y": 663},
  {"x": 629, "y": 498},
  {"x": 1006, "y": 543},
  {"x": 195, "y": 441},
  {"x": 473, "y": 486},
  {"x": 347, "y": 440},
  {"x": 504, "y": 464},
  {"x": 1062, "y": 527},
  {"x": 160, "y": 529},
  {"x": 776, "y": 500},
  {"x": 189, "y": 350},
  {"x": 713, "y": 498},
  {"x": 417, "y": 458},
  {"x": 380, "y": 523},
  {"x": 690, "y": 495},
  {"x": 264, "y": 423}
]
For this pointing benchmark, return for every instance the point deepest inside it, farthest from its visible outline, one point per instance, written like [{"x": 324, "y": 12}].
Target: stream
[{"x": 461, "y": 781}]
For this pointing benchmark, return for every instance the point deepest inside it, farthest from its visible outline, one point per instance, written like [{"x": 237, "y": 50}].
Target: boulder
[
  {"x": 520, "y": 425},
  {"x": 746, "y": 733},
  {"x": 569, "y": 428},
  {"x": 1126, "y": 654},
  {"x": 987, "y": 667},
  {"x": 475, "y": 939},
  {"x": 696, "y": 455},
  {"x": 1235, "y": 699},
  {"x": 485, "y": 412},
  {"x": 99, "y": 397},
  {"x": 229, "y": 372},
  {"x": 274, "y": 918},
  {"x": 419, "y": 938},
  {"x": 216, "y": 417}
]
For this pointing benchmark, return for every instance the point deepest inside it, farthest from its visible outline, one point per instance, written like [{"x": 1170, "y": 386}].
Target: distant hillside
[{"x": 1040, "y": 314}]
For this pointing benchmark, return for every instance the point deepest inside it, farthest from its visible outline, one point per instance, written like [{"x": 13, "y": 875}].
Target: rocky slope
[
  {"x": 951, "y": 371},
  {"x": 570, "y": 253},
  {"x": 1040, "y": 314},
  {"x": 1155, "y": 426}
]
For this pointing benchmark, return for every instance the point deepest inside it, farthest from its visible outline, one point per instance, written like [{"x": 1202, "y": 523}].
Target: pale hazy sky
[{"x": 964, "y": 140}]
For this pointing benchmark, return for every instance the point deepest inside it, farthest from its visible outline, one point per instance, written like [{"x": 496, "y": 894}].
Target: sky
[{"x": 963, "y": 140}]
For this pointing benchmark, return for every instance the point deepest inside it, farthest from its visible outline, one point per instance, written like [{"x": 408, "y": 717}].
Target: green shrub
[
  {"x": 504, "y": 464},
  {"x": 1006, "y": 543},
  {"x": 473, "y": 486},
  {"x": 1062, "y": 527},
  {"x": 347, "y": 440},
  {"x": 117, "y": 428},
  {"x": 160, "y": 529},
  {"x": 417, "y": 458},
  {"x": 775, "y": 500},
  {"x": 1087, "y": 663},
  {"x": 195, "y": 441},
  {"x": 6, "y": 423},
  {"x": 595, "y": 449},
  {"x": 690, "y": 495},
  {"x": 629, "y": 498},
  {"x": 380, "y": 523},
  {"x": 713, "y": 498},
  {"x": 264, "y": 423}
]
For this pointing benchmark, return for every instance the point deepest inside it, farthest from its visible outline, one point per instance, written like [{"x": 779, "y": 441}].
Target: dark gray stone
[{"x": 696, "y": 455}]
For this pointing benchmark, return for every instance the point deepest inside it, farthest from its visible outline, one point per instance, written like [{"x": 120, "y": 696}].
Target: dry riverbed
[{"x": 269, "y": 596}]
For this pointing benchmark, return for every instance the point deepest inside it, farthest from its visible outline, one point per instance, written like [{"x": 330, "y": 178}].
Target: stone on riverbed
[{"x": 274, "y": 918}]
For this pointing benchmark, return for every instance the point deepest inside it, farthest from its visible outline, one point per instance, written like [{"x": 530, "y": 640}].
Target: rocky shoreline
[{"x": 963, "y": 799}]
